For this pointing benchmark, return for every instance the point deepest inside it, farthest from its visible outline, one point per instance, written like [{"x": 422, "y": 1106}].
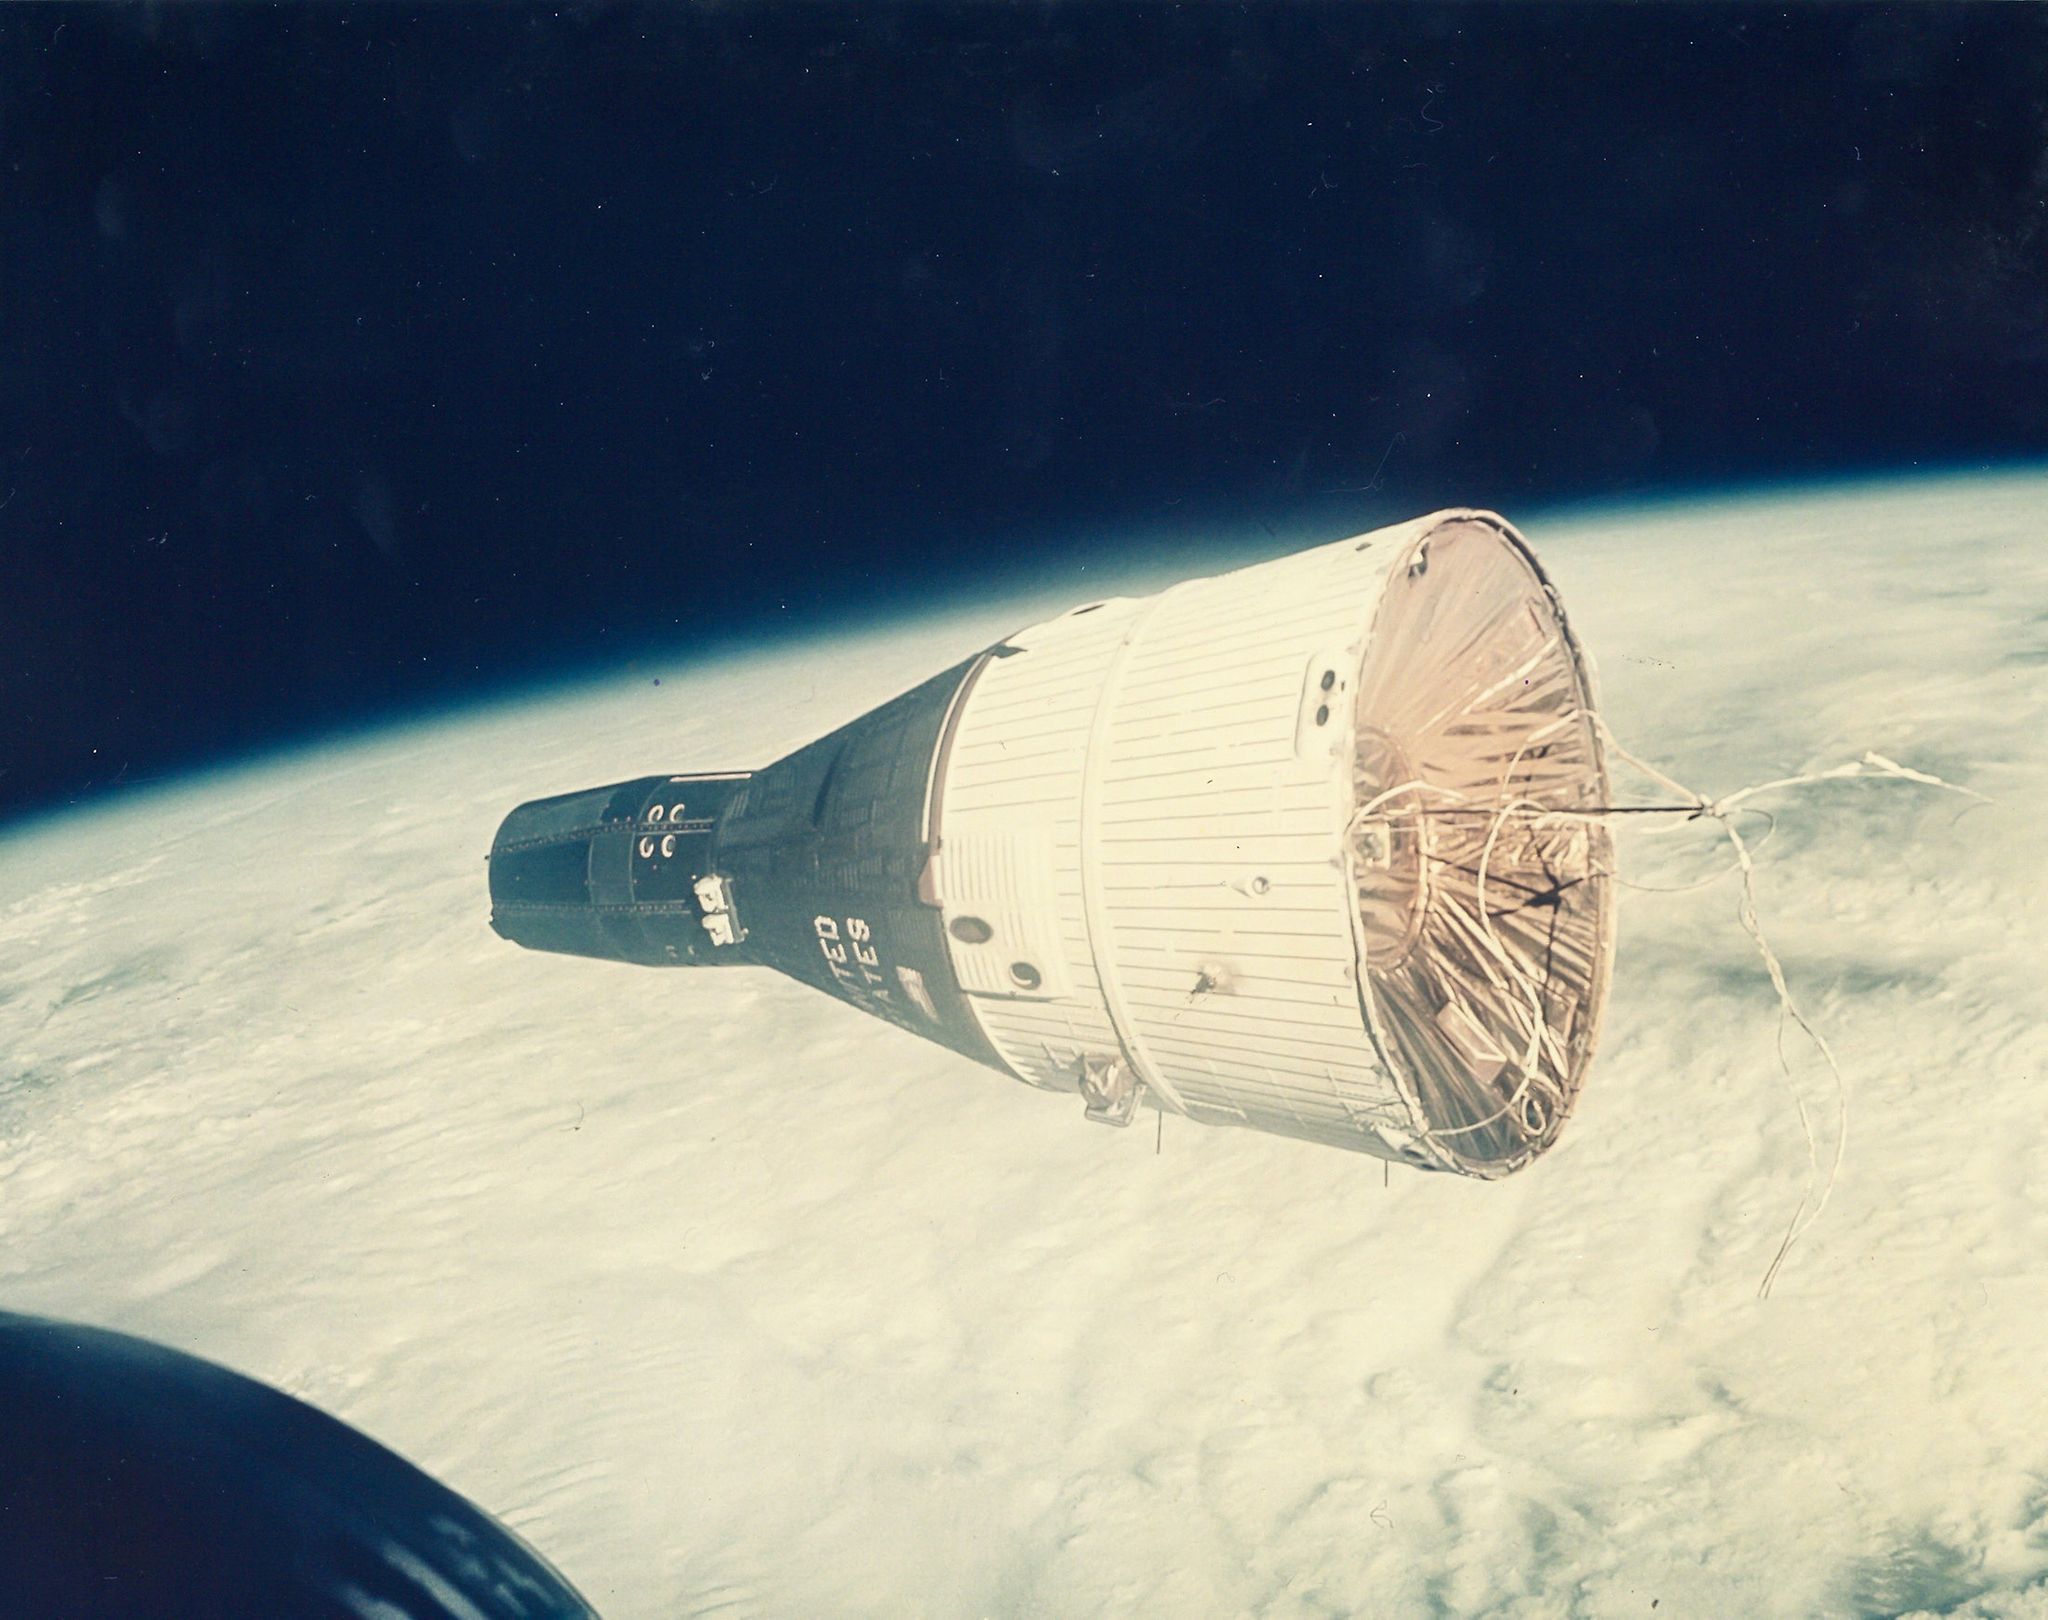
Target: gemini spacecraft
[{"x": 1312, "y": 847}]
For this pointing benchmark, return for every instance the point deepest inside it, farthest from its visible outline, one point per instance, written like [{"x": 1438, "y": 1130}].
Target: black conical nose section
[
  {"x": 614, "y": 871},
  {"x": 811, "y": 865}
]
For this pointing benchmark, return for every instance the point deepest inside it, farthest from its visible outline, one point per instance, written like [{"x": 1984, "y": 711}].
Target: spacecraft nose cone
[{"x": 138, "y": 1483}]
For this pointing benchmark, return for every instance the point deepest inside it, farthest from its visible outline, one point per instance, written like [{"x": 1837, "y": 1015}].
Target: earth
[{"x": 733, "y": 1301}]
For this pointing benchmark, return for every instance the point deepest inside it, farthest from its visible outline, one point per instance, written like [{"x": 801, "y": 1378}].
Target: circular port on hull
[{"x": 1485, "y": 921}]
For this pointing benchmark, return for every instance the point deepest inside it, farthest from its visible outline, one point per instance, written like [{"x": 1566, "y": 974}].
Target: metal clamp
[
  {"x": 714, "y": 900},
  {"x": 1110, "y": 1090}
]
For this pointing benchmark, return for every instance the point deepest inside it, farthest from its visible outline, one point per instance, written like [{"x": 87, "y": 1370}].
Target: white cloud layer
[{"x": 736, "y": 1302}]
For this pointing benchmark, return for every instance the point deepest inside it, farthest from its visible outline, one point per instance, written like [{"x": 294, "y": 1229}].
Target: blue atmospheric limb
[{"x": 139, "y": 1483}]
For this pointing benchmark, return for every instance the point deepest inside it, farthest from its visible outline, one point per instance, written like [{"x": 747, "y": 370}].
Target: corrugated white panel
[
  {"x": 1217, "y": 843},
  {"x": 1018, "y": 756},
  {"x": 1193, "y": 800},
  {"x": 1002, "y": 911}
]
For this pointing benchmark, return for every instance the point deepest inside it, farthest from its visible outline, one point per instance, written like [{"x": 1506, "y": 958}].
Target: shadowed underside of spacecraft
[{"x": 140, "y": 1483}]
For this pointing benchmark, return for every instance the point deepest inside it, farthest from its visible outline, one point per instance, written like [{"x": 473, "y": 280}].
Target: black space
[{"x": 356, "y": 357}]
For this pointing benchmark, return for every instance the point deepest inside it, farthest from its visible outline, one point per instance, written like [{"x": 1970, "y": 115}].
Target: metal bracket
[
  {"x": 714, "y": 900},
  {"x": 1110, "y": 1090}
]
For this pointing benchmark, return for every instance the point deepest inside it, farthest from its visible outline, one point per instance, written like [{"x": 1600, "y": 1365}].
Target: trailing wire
[
  {"x": 1692, "y": 806},
  {"x": 1723, "y": 810}
]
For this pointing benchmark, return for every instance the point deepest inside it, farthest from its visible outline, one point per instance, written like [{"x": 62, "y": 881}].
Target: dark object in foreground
[
  {"x": 139, "y": 1483},
  {"x": 1312, "y": 848}
]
